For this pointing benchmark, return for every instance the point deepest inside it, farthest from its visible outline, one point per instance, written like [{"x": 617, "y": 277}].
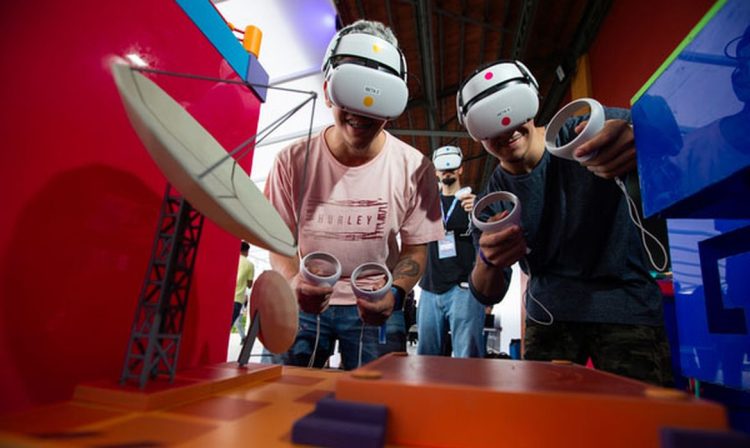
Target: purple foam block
[
  {"x": 333, "y": 433},
  {"x": 695, "y": 438},
  {"x": 352, "y": 411}
]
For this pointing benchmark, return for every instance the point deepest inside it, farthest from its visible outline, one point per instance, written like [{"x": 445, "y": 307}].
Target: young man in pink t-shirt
[{"x": 363, "y": 189}]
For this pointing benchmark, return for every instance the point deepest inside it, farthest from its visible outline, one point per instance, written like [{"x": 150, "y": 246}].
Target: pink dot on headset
[
  {"x": 488, "y": 76},
  {"x": 505, "y": 121}
]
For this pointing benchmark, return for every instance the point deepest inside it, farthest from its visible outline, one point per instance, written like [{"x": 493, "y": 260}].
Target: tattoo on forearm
[{"x": 406, "y": 268}]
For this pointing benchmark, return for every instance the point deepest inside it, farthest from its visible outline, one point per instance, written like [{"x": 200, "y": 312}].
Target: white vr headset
[
  {"x": 366, "y": 75},
  {"x": 447, "y": 158},
  {"x": 497, "y": 98}
]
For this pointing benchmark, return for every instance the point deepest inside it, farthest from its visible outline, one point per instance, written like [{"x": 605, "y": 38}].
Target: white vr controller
[
  {"x": 593, "y": 127},
  {"x": 320, "y": 258},
  {"x": 371, "y": 295},
  {"x": 333, "y": 265},
  {"x": 462, "y": 193},
  {"x": 513, "y": 218}
]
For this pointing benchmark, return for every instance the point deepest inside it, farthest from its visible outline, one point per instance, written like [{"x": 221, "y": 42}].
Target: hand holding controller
[
  {"x": 502, "y": 242},
  {"x": 593, "y": 127},
  {"x": 372, "y": 291},
  {"x": 467, "y": 198},
  {"x": 513, "y": 218},
  {"x": 319, "y": 271},
  {"x": 463, "y": 193},
  {"x": 320, "y": 268}
]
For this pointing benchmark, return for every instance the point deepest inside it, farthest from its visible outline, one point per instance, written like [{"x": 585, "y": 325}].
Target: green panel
[{"x": 685, "y": 42}]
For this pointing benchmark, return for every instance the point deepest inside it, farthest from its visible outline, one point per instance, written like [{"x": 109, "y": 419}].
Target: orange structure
[
  {"x": 221, "y": 405},
  {"x": 432, "y": 401},
  {"x": 441, "y": 402}
]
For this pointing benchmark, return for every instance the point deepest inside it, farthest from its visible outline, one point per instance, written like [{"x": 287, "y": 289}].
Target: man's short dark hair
[{"x": 244, "y": 247}]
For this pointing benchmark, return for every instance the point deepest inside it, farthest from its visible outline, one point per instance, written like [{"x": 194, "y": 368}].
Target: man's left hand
[
  {"x": 468, "y": 202},
  {"x": 376, "y": 312},
  {"x": 614, "y": 147}
]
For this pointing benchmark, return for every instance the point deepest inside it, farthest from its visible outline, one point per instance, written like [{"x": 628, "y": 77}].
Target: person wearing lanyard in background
[{"x": 446, "y": 303}]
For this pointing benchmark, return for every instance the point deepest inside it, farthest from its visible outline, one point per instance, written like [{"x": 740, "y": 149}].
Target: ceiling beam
[
  {"x": 506, "y": 20},
  {"x": 424, "y": 33},
  {"x": 461, "y": 43},
  {"x": 486, "y": 26},
  {"x": 483, "y": 39},
  {"x": 521, "y": 38},
  {"x": 441, "y": 64},
  {"x": 596, "y": 11}
]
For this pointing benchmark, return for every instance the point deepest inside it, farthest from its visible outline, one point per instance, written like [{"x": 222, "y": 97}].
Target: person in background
[
  {"x": 446, "y": 303},
  {"x": 245, "y": 274},
  {"x": 590, "y": 294},
  {"x": 364, "y": 188}
]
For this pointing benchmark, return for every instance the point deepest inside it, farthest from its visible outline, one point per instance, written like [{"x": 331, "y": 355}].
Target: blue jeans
[
  {"x": 456, "y": 310},
  {"x": 338, "y": 322},
  {"x": 235, "y": 319}
]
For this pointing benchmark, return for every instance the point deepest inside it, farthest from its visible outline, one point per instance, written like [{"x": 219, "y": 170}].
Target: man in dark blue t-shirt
[
  {"x": 589, "y": 293},
  {"x": 446, "y": 303}
]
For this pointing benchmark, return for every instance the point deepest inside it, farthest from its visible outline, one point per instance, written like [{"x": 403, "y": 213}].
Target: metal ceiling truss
[
  {"x": 459, "y": 27},
  {"x": 424, "y": 33},
  {"x": 596, "y": 11}
]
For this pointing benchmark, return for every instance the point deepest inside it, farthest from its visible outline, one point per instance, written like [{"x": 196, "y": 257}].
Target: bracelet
[
  {"x": 398, "y": 294},
  {"x": 484, "y": 259}
]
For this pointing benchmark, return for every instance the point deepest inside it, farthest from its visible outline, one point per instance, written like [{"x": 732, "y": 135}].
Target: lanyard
[{"x": 447, "y": 216}]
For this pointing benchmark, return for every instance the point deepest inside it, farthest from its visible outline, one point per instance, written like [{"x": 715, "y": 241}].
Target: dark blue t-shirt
[{"x": 586, "y": 262}]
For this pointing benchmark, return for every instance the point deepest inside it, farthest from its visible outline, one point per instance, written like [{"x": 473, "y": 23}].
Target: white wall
[{"x": 295, "y": 36}]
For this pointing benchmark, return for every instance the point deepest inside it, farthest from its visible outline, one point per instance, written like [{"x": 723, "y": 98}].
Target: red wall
[
  {"x": 80, "y": 195},
  {"x": 634, "y": 40}
]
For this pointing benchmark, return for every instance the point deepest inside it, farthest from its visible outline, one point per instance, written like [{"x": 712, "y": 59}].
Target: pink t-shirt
[{"x": 355, "y": 213}]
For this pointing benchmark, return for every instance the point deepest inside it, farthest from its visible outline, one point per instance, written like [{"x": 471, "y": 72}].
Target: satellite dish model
[
  {"x": 273, "y": 315},
  {"x": 188, "y": 155}
]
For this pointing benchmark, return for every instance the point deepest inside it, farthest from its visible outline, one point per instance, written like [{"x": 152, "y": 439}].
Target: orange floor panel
[
  {"x": 432, "y": 401},
  {"x": 257, "y": 410},
  {"x": 187, "y": 386},
  {"x": 440, "y": 402}
]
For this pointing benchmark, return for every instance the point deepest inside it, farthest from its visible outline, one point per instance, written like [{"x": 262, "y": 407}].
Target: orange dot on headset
[{"x": 367, "y": 101}]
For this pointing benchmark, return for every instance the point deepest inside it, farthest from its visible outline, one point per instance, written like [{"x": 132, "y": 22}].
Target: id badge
[{"x": 447, "y": 246}]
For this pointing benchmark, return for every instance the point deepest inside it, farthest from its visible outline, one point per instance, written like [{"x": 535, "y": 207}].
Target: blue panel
[
  {"x": 212, "y": 25},
  {"x": 258, "y": 76},
  {"x": 692, "y": 125},
  {"x": 711, "y": 266}
]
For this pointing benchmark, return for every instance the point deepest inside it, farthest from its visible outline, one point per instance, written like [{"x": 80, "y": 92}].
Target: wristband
[
  {"x": 399, "y": 294},
  {"x": 484, "y": 259}
]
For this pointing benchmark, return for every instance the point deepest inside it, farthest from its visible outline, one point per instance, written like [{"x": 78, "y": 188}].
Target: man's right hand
[
  {"x": 313, "y": 299},
  {"x": 505, "y": 247}
]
